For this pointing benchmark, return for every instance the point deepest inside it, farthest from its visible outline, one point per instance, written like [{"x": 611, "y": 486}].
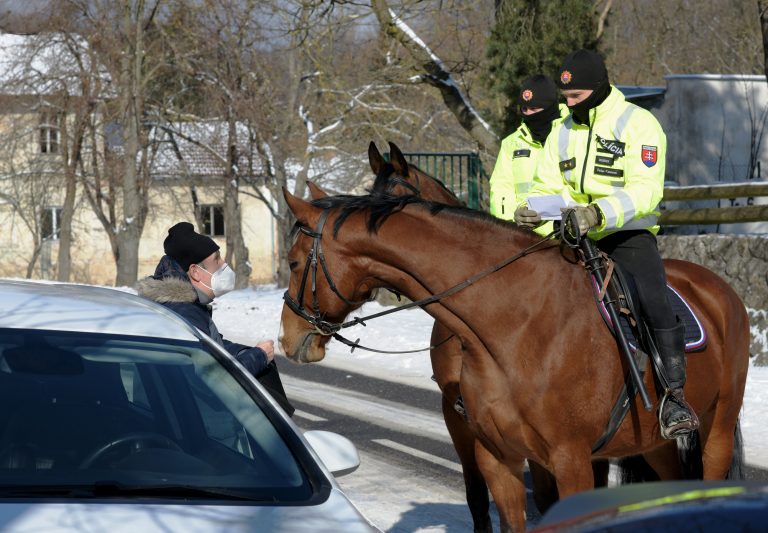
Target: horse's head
[
  {"x": 325, "y": 284},
  {"x": 399, "y": 177}
]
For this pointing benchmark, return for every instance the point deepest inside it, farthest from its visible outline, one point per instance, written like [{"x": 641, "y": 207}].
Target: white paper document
[{"x": 547, "y": 206}]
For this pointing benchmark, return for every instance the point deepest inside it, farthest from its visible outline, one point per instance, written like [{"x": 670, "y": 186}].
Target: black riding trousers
[{"x": 638, "y": 254}]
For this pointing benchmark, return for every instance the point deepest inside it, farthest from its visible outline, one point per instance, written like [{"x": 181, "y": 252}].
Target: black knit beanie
[
  {"x": 186, "y": 246},
  {"x": 537, "y": 91},
  {"x": 582, "y": 69}
]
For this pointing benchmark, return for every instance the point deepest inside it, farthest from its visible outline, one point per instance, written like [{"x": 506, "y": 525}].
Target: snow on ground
[{"x": 253, "y": 314}]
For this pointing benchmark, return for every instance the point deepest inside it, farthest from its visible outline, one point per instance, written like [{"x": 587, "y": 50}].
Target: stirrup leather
[{"x": 682, "y": 428}]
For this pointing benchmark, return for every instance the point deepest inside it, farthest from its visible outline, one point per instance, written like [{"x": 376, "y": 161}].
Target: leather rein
[{"x": 331, "y": 329}]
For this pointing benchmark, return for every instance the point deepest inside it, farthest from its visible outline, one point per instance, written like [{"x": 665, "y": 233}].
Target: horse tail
[
  {"x": 634, "y": 469},
  {"x": 736, "y": 471},
  {"x": 690, "y": 454}
]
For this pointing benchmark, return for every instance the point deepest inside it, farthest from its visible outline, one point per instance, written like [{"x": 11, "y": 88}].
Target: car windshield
[{"x": 110, "y": 416}]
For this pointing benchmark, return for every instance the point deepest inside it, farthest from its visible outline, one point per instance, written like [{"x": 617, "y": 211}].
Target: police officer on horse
[
  {"x": 512, "y": 176},
  {"x": 608, "y": 158}
]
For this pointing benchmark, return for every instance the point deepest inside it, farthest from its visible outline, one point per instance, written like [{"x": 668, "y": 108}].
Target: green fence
[{"x": 462, "y": 172}]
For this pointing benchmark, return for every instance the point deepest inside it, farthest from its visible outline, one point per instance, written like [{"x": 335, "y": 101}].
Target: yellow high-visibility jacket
[
  {"x": 515, "y": 167},
  {"x": 616, "y": 162}
]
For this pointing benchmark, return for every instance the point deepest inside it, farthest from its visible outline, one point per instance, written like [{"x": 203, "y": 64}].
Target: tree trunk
[
  {"x": 284, "y": 243},
  {"x": 130, "y": 225},
  {"x": 237, "y": 251},
  {"x": 71, "y": 155},
  {"x": 762, "y": 7}
]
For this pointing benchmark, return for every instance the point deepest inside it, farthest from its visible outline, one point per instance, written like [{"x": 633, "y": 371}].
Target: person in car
[{"x": 187, "y": 279}]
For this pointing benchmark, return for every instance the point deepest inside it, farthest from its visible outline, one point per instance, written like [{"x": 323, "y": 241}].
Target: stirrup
[{"x": 681, "y": 429}]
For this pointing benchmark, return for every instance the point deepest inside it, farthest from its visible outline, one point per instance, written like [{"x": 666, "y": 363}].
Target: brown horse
[
  {"x": 406, "y": 179},
  {"x": 539, "y": 371}
]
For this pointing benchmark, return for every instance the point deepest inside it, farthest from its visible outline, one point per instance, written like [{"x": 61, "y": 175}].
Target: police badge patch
[{"x": 649, "y": 155}]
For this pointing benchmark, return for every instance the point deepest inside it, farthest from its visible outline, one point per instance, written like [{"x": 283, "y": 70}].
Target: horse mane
[{"x": 382, "y": 205}]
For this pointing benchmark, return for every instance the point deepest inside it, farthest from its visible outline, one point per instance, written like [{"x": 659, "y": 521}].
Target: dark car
[{"x": 669, "y": 506}]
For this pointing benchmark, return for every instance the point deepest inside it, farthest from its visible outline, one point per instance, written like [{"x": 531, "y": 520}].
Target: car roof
[
  {"x": 86, "y": 308},
  {"x": 625, "y": 508}
]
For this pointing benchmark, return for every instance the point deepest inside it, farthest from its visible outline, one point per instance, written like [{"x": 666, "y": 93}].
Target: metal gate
[{"x": 462, "y": 172}]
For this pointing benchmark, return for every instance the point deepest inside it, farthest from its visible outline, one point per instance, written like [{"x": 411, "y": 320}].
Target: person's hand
[
  {"x": 587, "y": 217},
  {"x": 527, "y": 218},
  {"x": 268, "y": 347}
]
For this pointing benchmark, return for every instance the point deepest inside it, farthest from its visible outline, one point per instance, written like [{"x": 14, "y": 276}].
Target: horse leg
[
  {"x": 446, "y": 364},
  {"x": 665, "y": 461},
  {"x": 474, "y": 483},
  {"x": 600, "y": 469},
  {"x": 507, "y": 486},
  {"x": 544, "y": 486},
  {"x": 573, "y": 471},
  {"x": 717, "y": 449}
]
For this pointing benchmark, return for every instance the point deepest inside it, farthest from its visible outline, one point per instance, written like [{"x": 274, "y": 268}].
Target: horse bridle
[
  {"x": 395, "y": 180},
  {"x": 331, "y": 329},
  {"x": 322, "y": 327}
]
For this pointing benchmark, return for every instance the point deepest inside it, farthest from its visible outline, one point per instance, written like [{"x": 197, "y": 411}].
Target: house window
[
  {"x": 213, "y": 220},
  {"x": 49, "y": 223},
  {"x": 49, "y": 132}
]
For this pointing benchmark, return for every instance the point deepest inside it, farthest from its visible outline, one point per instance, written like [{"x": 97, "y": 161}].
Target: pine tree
[{"x": 533, "y": 37}]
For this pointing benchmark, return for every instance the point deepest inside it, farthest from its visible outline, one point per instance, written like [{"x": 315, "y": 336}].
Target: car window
[{"x": 95, "y": 409}]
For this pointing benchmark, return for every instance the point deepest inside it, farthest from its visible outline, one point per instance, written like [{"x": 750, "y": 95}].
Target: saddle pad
[{"x": 695, "y": 336}]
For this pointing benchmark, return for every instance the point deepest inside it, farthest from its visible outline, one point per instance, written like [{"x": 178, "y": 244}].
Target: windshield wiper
[{"x": 102, "y": 489}]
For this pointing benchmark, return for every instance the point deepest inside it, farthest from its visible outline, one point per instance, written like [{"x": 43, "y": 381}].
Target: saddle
[{"x": 621, "y": 290}]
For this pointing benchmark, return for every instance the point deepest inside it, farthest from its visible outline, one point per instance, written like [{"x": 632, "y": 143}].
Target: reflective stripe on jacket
[{"x": 616, "y": 162}]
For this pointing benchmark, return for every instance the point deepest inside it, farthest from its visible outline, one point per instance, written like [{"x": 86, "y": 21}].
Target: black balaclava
[
  {"x": 585, "y": 69},
  {"x": 539, "y": 91}
]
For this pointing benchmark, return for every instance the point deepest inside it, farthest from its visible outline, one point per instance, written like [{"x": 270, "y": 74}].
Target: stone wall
[{"x": 742, "y": 260}]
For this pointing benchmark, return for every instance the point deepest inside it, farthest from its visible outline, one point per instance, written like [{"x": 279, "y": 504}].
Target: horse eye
[{"x": 292, "y": 264}]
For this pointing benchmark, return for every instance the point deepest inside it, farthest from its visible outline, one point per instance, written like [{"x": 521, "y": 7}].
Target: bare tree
[
  {"x": 437, "y": 75},
  {"x": 28, "y": 185},
  {"x": 682, "y": 37},
  {"x": 118, "y": 179},
  {"x": 53, "y": 67}
]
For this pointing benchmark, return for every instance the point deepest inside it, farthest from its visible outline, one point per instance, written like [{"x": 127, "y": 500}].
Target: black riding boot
[{"x": 676, "y": 418}]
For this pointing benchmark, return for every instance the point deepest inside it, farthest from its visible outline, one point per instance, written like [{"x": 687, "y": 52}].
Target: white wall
[{"x": 710, "y": 120}]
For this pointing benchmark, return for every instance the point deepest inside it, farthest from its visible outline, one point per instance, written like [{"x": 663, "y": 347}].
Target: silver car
[{"x": 117, "y": 415}]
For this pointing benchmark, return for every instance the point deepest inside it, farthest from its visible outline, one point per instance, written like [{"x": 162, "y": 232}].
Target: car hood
[{"x": 333, "y": 515}]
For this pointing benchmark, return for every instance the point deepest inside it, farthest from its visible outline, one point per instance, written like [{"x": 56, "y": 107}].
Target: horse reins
[{"x": 331, "y": 329}]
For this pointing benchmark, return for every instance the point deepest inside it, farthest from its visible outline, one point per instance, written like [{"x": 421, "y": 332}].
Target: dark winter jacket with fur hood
[{"x": 171, "y": 287}]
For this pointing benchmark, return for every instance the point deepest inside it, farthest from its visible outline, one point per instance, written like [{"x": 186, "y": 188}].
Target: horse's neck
[
  {"x": 440, "y": 251},
  {"x": 432, "y": 189}
]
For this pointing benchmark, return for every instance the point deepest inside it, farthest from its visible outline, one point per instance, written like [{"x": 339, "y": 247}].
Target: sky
[{"x": 253, "y": 314}]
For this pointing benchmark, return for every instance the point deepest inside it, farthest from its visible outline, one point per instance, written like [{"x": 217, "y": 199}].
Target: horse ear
[
  {"x": 375, "y": 158},
  {"x": 397, "y": 159},
  {"x": 304, "y": 212},
  {"x": 315, "y": 191}
]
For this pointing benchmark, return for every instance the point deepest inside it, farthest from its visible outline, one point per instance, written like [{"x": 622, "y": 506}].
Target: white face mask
[{"x": 222, "y": 281}]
